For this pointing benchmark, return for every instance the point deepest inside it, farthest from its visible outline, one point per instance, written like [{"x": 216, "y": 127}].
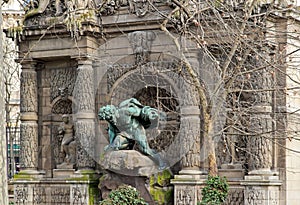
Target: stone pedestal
[
  {"x": 262, "y": 187},
  {"x": 233, "y": 172},
  {"x": 77, "y": 188},
  {"x": 63, "y": 173},
  {"x": 187, "y": 187}
]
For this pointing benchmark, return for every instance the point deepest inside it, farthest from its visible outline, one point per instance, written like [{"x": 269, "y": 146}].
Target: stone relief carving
[
  {"x": 62, "y": 83},
  {"x": 60, "y": 195},
  {"x": 39, "y": 195},
  {"x": 28, "y": 153},
  {"x": 185, "y": 196},
  {"x": 50, "y": 8},
  {"x": 141, "y": 42},
  {"x": 79, "y": 195},
  {"x": 115, "y": 72},
  {"x": 28, "y": 91},
  {"x": 140, "y": 7},
  {"x": 84, "y": 89},
  {"x": 235, "y": 197},
  {"x": 21, "y": 194},
  {"x": 253, "y": 197},
  {"x": 190, "y": 142},
  {"x": 62, "y": 107},
  {"x": 85, "y": 140}
]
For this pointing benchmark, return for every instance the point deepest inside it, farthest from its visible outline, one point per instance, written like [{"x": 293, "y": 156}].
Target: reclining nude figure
[{"x": 127, "y": 124}]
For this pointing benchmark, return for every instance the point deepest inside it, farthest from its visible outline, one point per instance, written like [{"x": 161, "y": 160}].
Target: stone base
[
  {"x": 65, "y": 166},
  {"x": 188, "y": 186},
  {"x": 60, "y": 190},
  {"x": 110, "y": 181},
  {"x": 129, "y": 162},
  {"x": 30, "y": 173},
  {"x": 63, "y": 173},
  {"x": 262, "y": 187}
]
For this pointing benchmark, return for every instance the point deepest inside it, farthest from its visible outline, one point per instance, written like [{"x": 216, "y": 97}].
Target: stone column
[
  {"x": 84, "y": 95},
  {"x": 262, "y": 183},
  {"x": 29, "y": 117},
  {"x": 190, "y": 181}
]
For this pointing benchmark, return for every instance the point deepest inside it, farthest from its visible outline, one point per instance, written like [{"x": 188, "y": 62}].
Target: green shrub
[
  {"x": 124, "y": 195},
  {"x": 215, "y": 192}
]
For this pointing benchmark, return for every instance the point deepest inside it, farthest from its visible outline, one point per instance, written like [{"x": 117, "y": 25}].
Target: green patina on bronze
[{"x": 127, "y": 124}]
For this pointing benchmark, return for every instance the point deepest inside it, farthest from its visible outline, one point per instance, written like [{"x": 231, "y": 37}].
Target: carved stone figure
[
  {"x": 68, "y": 145},
  {"x": 141, "y": 42},
  {"x": 60, "y": 6},
  {"x": 127, "y": 124}
]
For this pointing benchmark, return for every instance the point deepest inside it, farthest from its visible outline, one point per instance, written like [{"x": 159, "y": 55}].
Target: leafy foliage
[
  {"x": 124, "y": 194},
  {"x": 215, "y": 192}
]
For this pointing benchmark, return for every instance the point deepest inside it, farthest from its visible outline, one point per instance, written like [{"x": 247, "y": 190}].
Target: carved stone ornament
[
  {"x": 21, "y": 194},
  {"x": 185, "y": 196},
  {"x": 62, "y": 83},
  {"x": 141, "y": 43},
  {"x": 39, "y": 195},
  {"x": 60, "y": 195},
  {"x": 140, "y": 7}
]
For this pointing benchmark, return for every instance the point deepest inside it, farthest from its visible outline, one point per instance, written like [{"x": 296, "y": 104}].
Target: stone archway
[{"x": 172, "y": 93}]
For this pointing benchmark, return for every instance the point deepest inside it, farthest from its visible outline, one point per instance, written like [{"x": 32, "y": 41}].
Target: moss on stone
[
  {"x": 163, "y": 178},
  {"x": 93, "y": 194},
  {"x": 160, "y": 188},
  {"x": 161, "y": 195},
  {"x": 21, "y": 176}
]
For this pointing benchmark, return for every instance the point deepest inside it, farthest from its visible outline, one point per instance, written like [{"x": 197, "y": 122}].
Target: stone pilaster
[
  {"x": 84, "y": 95},
  {"x": 29, "y": 117}
]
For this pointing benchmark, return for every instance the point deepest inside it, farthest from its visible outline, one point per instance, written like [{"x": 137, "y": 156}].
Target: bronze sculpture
[{"x": 127, "y": 124}]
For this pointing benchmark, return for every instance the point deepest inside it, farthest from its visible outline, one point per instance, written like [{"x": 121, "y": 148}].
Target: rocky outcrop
[{"x": 129, "y": 163}]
